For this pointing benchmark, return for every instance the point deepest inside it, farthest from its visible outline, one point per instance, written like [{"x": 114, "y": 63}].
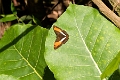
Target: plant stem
[{"x": 107, "y": 12}]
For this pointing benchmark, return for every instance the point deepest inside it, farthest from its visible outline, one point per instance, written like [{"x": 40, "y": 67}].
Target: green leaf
[
  {"x": 25, "y": 18},
  {"x": 115, "y": 75},
  {"x": 36, "y": 21},
  {"x": 22, "y": 52},
  {"x": 8, "y": 17},
  {"x": 93, "y": 43},
  {"x": 112, "y": 66},
  {"x": 13, "y": 9}
]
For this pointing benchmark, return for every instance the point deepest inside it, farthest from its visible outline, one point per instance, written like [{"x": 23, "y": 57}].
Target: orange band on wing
[
  {"x": 56, "y": 29},
  {"x": 57, "y": 44}
]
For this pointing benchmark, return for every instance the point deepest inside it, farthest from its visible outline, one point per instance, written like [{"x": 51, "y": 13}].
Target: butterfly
[{"x": 61, "y": 37}]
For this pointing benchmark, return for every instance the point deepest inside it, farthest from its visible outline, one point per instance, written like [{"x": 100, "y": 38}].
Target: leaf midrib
[{"x": 85, "y": 43}]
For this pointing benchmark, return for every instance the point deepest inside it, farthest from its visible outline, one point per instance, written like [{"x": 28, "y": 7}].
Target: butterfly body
[{"x": 61, "y": 37}]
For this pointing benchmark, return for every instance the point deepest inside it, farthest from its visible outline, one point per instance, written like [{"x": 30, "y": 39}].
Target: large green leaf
[
  {"x": 21, "y": 52},
  {"x": 93, "y": 43}
]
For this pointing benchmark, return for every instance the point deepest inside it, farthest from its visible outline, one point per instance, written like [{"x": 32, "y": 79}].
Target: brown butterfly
[{"x": 61, "y": 37}]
